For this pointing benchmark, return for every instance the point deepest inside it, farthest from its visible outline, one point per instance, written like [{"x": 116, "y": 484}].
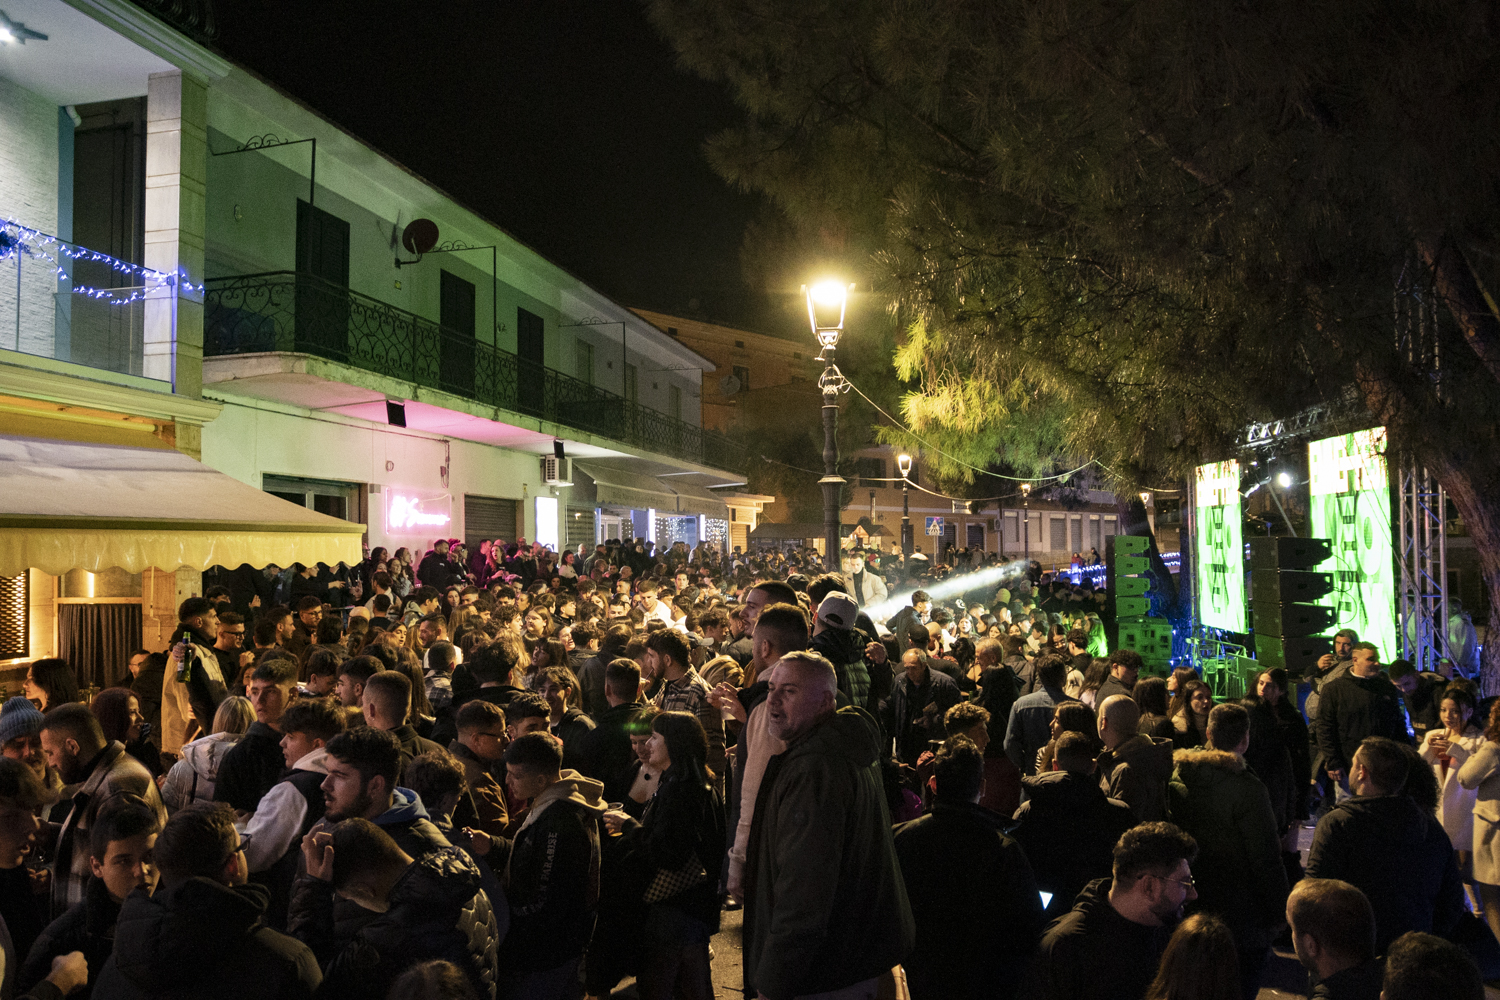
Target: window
[
  {"x": 674, "y": 401},
  {"x": 335, "y": 499},
  {"x": 1059, "y": 540},
  {"x": 583, "y": 361},
  {"x": 975, "y": 539},
  {"x": 1013, "y": 527},
  {"x": 631, "y": 394},
  {"x": 743, "y": 374},
  {"x": 870, "y": 471}
]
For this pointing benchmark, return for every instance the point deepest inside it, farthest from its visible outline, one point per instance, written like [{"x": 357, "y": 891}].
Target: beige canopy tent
[{"x": 75, "y": 505}]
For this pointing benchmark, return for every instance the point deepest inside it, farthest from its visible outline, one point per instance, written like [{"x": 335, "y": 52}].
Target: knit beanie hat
[{"x": 19, "y": 718}]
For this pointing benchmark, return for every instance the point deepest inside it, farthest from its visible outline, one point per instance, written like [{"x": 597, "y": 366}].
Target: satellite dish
[
  {"x": 419, "y": 236},
  {"x": 729, "y": 385}
]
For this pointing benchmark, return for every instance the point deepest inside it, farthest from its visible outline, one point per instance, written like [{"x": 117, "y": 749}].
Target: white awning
[
  {"x": 694, "y": 499},
  {"x": 74, "y": 505},
  {"x": 615, "y": 488}
]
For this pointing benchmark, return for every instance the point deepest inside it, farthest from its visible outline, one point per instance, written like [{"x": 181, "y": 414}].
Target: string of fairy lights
[{"x": 17, "y": 239}]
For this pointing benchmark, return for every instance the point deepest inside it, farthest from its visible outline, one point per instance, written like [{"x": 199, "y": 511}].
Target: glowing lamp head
[
  {"x": 1145, "y": 499},
  {"x": 5, "y": 35},
  {"x": 903, "y": 462},
  {"x": 826, "y": 302},
  {"x": 1284, "y": 480},
  {"x": 1026, "y": 489}
]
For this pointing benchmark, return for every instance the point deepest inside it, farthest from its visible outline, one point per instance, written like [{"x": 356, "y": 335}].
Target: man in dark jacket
[
  {"x": 386, "y": 703},
  {"x": 607, "y": 752},
  {"x": 437, "y": 570},
  {"x": 1027, "y": 730},
  {"x": 591, "y": 673},
  {"x": 1225, "y": 808},
  {"x": 977, "y": 921},
  {"x": 914, "y": 711},
  {"x": 916, "y": 614},
  {"x": 120, "y": 844},
  {"x": 1333, "y": 933},
  {"x": 362, "y": 765},
  {"x": 1109, "y": 945},
  {"x": 480, "y": 744},
  {"x": 1379, "y": 841},
  {"x": 428, "y": 910},
  {"x": 1124, "y": 668},
  {"x": 552, "y": 869},
  {"x": 825, "y": 906},
  {"x": 203, "y": 931},
  {"x": 1360, "y": 704},
  {"x": 1067, "y": 825},
  {"x": 836, "y": 640},
  {"x": 1134, "y": 767},
  {"x": 256, "y": 762}
]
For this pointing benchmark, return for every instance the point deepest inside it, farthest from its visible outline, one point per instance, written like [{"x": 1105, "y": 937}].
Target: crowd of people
[{"x": 508, "y": 775}]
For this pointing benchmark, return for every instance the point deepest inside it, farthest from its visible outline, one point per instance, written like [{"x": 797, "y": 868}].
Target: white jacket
[
  {"x": 1455, "y": 802},
  {"x": 192, "y": 778}
]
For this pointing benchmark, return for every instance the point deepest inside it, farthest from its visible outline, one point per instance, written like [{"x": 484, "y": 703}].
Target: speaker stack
[
  {"x": 1131, "y": 624},
  {"x": 1285, "y": 594}
]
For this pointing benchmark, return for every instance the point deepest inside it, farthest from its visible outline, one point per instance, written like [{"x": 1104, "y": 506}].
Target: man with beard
[
  {"x": 21, "y": 739},
  {"x": 193, "y": 685},
  {"x": 1109, "y": 945},
  {"x": 103, "y": 774}
]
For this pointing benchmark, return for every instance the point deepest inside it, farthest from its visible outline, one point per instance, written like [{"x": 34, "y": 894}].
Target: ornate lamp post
[
  {"x": 904, "y": 463},
  {"x": 826, "y": 305},
  {"x": 1026, "y": 521}
]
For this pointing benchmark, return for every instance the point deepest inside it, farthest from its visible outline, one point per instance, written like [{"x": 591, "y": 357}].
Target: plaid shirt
[{"x": 690, "y": 694}]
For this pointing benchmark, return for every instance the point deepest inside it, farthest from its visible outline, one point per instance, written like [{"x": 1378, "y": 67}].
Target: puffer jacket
[
  {"x": 413, "y": 831},
  {"x": 202, "y": 938},
  {"x": 1069, "y": 828},
  {"x": 1227, "y": 810},
  {"x": 826, "y": 907},
  {"x": 438, "y": 910},
  {"x": 1398, "y": 855},
  {"x": 1136, "y": 772},
  {"x": 844, "y": 649},
  {"x": 192, "y": 778}
]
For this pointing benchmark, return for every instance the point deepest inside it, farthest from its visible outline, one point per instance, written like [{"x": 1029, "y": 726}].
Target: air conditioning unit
[{"x": 557, "y": 471}]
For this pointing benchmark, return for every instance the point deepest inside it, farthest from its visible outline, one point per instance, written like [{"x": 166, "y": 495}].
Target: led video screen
[
  {"x": 1350, "y": 506},
  {"x": 1220, "y": 548}
]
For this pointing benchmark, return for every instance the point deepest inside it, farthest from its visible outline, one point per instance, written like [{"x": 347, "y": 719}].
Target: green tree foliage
[{"x": 1122, "y": 230}]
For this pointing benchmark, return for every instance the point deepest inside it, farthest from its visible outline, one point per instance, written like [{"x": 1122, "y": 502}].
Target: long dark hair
[
  {"x": 687, "y": 745},
  {"x": 1151, "y": 695},
  {"x": 1199, "y": 963},
  {"x": 55, "y": 677},
  {"x": 112, "y": 708}
]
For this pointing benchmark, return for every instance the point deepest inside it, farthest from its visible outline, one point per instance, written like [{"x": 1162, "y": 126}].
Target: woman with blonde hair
[{"x": 191, "y": 779}]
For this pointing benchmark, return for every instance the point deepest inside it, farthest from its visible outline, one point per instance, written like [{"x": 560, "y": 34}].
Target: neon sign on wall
[{"x": 412, "y": 513}]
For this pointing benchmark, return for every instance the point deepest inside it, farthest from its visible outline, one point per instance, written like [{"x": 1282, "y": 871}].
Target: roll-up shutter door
[
  {"x": 580, "y": 530},
  {"x": 488, "y": 518}
]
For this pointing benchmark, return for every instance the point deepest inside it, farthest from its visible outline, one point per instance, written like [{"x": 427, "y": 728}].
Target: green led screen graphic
[
  {"x": 1220, "y": 549},
  {"x": 1351, "y": 506}
]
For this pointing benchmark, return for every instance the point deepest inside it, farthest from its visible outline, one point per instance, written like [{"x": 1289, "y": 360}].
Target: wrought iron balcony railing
[{"x": 292, "y": 312}]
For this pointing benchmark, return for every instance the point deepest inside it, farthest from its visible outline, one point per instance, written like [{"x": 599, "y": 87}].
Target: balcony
[
  {"x": 76, "y": 305},
  {"x": 287, "y": 312}
]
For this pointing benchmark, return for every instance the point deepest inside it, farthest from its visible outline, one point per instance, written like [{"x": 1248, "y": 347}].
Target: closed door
[
  {"x": 976, "y": 536},
  {"x": 1059, "y": 540},
  {"x": 322, "y": 311},
  {"x": 456, "y": 319},
  {"x": 531, "y": 349},
  {"x": 1076, "y": 524}
]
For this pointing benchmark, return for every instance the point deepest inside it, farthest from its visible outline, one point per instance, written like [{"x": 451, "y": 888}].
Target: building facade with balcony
[{"x": 208, "y": 351}]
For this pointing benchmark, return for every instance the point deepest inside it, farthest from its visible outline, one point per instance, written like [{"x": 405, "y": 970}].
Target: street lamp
[
  {"x": 827, "y": 302},
  {"x": 1026, "y": 522},
  {"x": 904, "y": 463}
]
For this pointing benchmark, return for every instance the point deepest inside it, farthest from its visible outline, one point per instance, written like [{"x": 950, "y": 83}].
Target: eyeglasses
[{"x": 1189, "y": 882}]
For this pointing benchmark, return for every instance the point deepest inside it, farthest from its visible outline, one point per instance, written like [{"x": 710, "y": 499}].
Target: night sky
[{"x": 564, "y": 121}]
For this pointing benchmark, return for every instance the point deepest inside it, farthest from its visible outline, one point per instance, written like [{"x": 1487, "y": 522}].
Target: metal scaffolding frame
[{"x": 1422, "y": 546}]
